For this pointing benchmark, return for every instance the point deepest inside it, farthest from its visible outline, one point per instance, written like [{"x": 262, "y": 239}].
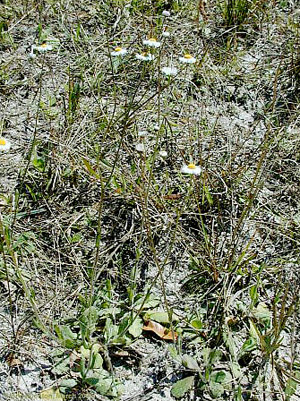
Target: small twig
[{"x": 201, "y": 10}]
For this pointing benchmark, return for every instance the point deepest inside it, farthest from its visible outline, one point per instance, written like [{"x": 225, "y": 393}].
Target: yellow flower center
[
  {"x": 191, "y": 166},
  {"x": 118, "y": 49},
  {"x": 152, "y": 40},
  {"x": 187, "y": 56},
  {"x": 2, "y": 142},
  {"x": 44, "y": 45},
  {"x": 144, "y": 54}
]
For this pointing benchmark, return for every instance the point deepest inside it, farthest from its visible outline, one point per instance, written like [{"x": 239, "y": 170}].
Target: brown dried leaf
[
  {"x": 160, "y": 331},
  {"x": 172, "y": 196},
  {"x": 14, "y": 362},
  {"x": 74, "y": 359}
]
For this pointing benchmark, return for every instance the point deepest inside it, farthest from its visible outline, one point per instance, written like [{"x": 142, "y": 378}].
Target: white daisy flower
[
  {"x": 145, "y": 56},
  {"x": 169, "y": 70},
  {"x": 166, "y": 34},
  {"x": 187, "y": 59},
  {"x": 166, "y": 13},
  {"x": 44, "y": 47},
  {"x": 140, "y": 147},
  {"x": 4, "y": 144},
  {"x": 118, "y": 51},
  {"x": 151, "y": 42},
  {"x": 191, "y": 169}
]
